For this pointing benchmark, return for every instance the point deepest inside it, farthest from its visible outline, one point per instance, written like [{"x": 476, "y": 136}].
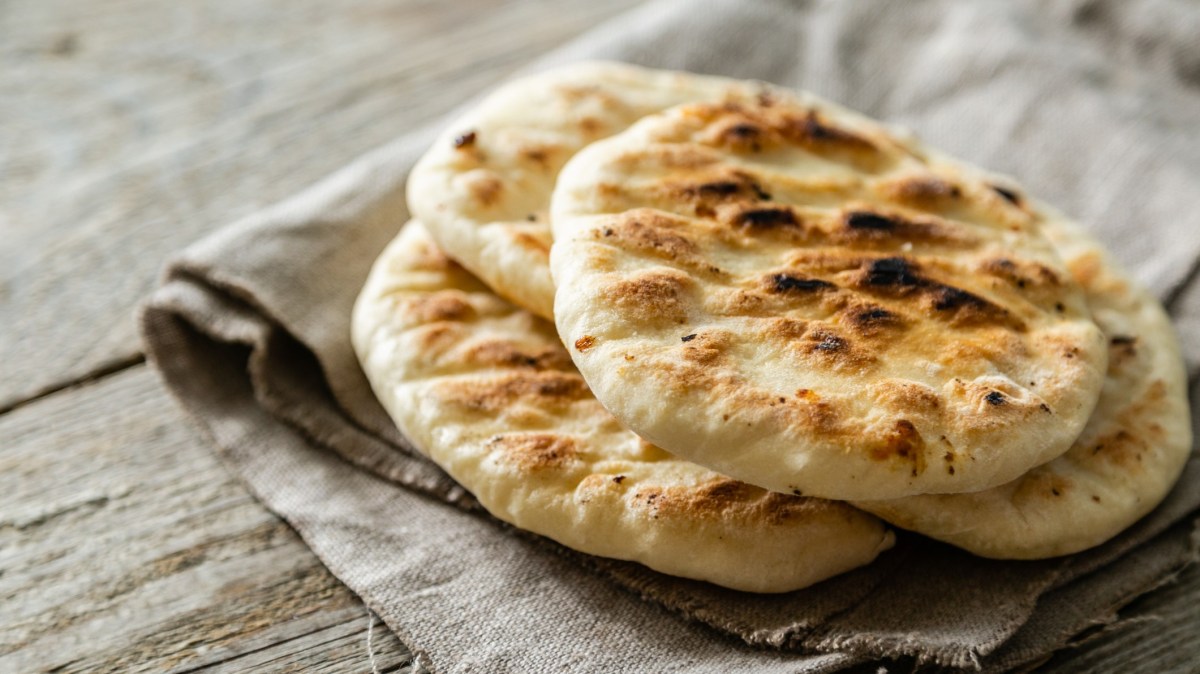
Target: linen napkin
[{"x": 1091, "y": 105}]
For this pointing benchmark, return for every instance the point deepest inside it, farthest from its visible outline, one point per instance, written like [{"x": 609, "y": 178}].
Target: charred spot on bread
[
  {"x": 901, "y": 278},
  {"x": 813, "y": 128},
  {"x": 872, "y": 315},
  {"x": 949, "y": 297},
  {"x": 867, "y": 226},
  {"x": 790, "y": 283},
  {"x": 869, "y": 320},
  {"x": 891, "y": 271},
  {"x": 720, "y": 188},
  {"x": 1007, "y": 194},
  {"x": 465, "y": 140},
  {"x": 1026, "y": 275},
  {"x": 871, "y": 221},
  {"x": 766, "y": 218},
  {"x": 827, "y": 341},
  {"x": 735, "y": 184}
]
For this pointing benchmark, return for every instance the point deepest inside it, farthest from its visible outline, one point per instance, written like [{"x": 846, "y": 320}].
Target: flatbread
[
  {"x": 1130, "y": 453},
  {"x": 484, "y": 188},
  {"x": 487, "y": 391},
  {"x": 794, "y": 296}
]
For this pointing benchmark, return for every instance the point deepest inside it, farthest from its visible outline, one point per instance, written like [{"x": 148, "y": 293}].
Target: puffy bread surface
[
  {"x": 484, "y": 188},
  {"x": 1131, "y": 452},
  {"x": 487, "y": 391},
  {"x": 794, "y": 296}
]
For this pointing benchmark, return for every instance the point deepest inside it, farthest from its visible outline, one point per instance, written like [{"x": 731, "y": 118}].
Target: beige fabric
[
  {"x": 1122, "y": 465},
  {"x": 794, "y": 296},
  {"x": 250, "y": 331},
  {"x": 484, "y": 186},
  {"x": 487, "y": 391}
]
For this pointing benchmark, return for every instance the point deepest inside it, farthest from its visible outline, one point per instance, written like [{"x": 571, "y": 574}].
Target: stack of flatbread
[{"x": 733, "y": 332}]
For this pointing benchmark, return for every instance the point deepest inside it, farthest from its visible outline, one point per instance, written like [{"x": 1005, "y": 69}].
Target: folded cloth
[{"x": 1088, "y": 104}]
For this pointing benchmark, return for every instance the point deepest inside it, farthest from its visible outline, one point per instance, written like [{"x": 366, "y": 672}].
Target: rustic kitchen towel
[{"x": 1092, "y": 105}]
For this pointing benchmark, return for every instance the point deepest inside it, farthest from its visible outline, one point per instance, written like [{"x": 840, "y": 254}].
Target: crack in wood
[
  {"x": 406, "y": 658},
  {"x": 50, "y": 516},
  {"x": 99, "y": 373}
]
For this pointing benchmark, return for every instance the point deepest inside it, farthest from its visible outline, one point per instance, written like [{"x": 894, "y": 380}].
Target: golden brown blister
[
  {"x": 1123, "y": 464},
  {"x": 483, "y": 189},
  {"x": 487, "y": 392},
  {"x": 800, "y": 298}
]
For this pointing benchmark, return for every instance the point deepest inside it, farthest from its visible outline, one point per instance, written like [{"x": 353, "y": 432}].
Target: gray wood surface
[
  {"x": 129, "y": 128},
  {"x": 1160, "y": 633},
  {"x": 126, "y": 546}
]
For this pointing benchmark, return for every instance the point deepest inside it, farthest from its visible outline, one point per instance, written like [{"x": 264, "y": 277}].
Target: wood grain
[
  {"x": 1157, "y": 634},
  {"x": 126, "y": 546},
  {"x": 131, "y": 128}
]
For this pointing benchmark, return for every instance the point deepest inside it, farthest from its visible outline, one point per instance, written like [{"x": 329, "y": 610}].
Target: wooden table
[{"x": 129, "y": 128}]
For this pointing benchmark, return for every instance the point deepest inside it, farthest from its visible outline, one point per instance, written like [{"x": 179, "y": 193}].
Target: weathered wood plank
[
  {"x": 126, "y": 546},
  {"x": 1157, "y": 635},
  {"x": 132, "y": 128},
  {"x": 340, "y": 648}
]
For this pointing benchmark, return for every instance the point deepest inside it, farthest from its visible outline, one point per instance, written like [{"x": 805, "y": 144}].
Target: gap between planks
[{"x": 99, "y": 373}]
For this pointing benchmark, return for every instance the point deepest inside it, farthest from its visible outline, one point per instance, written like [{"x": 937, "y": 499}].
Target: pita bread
[
  {"x": 794, "y": 296},
  {"x": 484, "y": 188},
  {"x": 1130, "y": 453},
  {"x": 487, "y": 391}
]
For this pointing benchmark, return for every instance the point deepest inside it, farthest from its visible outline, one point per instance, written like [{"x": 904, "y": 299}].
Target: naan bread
[
  {"x": 484, "y": 188},
  {"x": 1130, "y": 453},
  {"x": 788, "y": 293},
  {"x": 487, "y": 391}
]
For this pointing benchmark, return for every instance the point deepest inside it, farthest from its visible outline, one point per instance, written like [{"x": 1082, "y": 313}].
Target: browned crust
[
  {"x": 546, "y": 158},
  {"x": 1033, "y": 281},
  {"x": 429, "y": 258},
  {"x": 654, "y": 297},
  {"x": 725, "y": 500},
  {"x": 899, "y": 277},
  {"x": 652, "y": 234},
  {"x": 927, "y": 192},
  {"x": 486, "y": 190},
  {"x": 1042, "y": 485},
  {"x": 540, "y": 389},
  {"x": 500, "y": 353},
  {"x": 1126, "y": 448},
  {"x": 532, "y": 244},
  {"x": 902, "y": 443},
  {"x": 864, "y": 226},
  {"x": 532, "y": 452},
  {"x": 750, "y": 129},
  {"x": 441, "y": 306}
]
